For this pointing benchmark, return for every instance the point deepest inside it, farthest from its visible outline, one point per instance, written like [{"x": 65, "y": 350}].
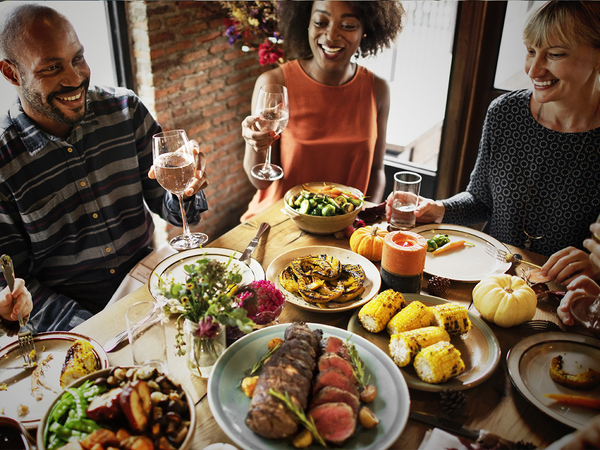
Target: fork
[
  {"x": 503, "y": 255},
  {"x": 25, "y": 337},
  {"x": 540, "y": 325}
]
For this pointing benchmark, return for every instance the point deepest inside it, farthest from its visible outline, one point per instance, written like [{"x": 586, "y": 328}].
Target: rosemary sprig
[
  {"x": 358, "y": 367},
  {"x": 309, "y": 424},
  {"x": 258, "y": 365}
]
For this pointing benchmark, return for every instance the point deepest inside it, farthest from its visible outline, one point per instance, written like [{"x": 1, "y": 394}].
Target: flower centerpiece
[
  {"x": 208, "y": 303},
  {"x": 254, "y": 25}
]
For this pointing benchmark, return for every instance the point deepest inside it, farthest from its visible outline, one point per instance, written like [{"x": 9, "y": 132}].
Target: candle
[{"x": 403, "y": 261}]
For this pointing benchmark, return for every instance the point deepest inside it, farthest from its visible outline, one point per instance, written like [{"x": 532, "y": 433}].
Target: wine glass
[
  {"x": 586, "y": 311},
  {"x": 174, "y": 166},
  {"x": 272, "y": 109}
]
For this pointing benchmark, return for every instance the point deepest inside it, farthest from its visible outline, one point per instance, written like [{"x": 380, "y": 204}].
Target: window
[
  {"x": 94, "y": 35},
  {"x": 418, "y": 70},
  {"x": 510, "y": 72}
]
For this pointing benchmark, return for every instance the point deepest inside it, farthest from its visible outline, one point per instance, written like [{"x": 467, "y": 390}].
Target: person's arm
[
  {"x": 257, "y": 142},
  {"x": 376, "y": 186},
  {"x": 47, "y": 310}
]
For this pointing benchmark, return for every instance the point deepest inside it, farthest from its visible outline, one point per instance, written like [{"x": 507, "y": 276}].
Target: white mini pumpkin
[{"x": 505, "y": 300}]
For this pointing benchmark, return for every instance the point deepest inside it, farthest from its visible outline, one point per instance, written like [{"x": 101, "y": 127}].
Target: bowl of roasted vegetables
[
  {"x": 323, "y": 208},
  {"x": 120, "y": 408}
]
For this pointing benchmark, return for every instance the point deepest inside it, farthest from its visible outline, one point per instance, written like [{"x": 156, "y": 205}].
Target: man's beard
[{"x": 47, "y": 107}]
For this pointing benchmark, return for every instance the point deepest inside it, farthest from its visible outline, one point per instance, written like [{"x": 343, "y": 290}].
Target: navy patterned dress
[{"x": 527, "y": 176}]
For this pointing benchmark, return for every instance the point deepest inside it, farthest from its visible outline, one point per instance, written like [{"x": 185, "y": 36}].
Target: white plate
[
  {"x": 470, "y": 264},
  {"x": 19, "y": 384},
  {"x": 372, "y": 277},
  {"x": 172, "y": 266},
  {"x": 479, "y": 350},
  {"x": 229, "y": 405},
  {"x": 528, "y": 365}
]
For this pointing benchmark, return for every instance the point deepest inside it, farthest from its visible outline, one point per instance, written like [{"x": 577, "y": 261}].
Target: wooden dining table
[{"x": 495, "y": 404}]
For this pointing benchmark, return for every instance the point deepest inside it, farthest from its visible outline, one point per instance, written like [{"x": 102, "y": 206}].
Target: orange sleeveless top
[{"x": 330, "y": 136}]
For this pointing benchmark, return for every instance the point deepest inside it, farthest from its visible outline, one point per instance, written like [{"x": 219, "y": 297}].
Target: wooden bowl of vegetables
[
  {"x": 120, "y": 407},
  {"x": 323, "y": 208}
]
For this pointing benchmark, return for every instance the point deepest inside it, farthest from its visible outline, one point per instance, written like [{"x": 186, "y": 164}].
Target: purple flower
[
  {"x": 262, "y": 300},
  {"x": 207, "y": 328}
]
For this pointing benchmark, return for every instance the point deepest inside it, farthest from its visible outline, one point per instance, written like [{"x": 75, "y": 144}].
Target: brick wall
[{"x": 190, "y": 77}]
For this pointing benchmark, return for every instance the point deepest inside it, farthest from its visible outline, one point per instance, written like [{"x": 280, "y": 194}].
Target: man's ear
[{"x": 10, "y": 72}]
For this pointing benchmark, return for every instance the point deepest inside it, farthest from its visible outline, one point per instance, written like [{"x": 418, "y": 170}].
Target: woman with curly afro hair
[{"x": 338, "y": 110}]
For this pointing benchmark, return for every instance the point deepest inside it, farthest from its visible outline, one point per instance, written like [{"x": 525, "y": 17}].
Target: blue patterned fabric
[
  {"x": 75, "y": 212},
  {"x": 516, "y": 151}
]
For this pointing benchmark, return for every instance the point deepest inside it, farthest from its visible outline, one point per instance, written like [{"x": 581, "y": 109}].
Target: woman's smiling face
[
  {"x": 334, "y": 34},
  {"x": 562, "y": 71}
]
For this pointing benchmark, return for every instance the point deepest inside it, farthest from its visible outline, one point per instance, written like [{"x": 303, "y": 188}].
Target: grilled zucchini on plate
[{"x": 325, "y": 279}]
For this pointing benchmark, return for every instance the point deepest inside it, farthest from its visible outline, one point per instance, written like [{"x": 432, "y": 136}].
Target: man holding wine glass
[{"x": 76, "y": 186}]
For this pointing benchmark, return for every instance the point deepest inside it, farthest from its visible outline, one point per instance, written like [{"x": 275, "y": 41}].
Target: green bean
[
  {"x": 84, "y": 425},
  {"x": 81, "y": 403},
  {"x": 61, "y": 431},
  {"x": 61, "y": 407}
]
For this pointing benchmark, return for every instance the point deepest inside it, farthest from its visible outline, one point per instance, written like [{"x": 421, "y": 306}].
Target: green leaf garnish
[
  {"x": 309, "y": 424},
  {"x": 358, "y": 367}
]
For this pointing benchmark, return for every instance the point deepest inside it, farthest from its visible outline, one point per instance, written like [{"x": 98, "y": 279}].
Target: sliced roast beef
[
  {"x": 335, "y": 422},
  {"x": 334, "y": 377},
  {"x": 331, "y": 394},
  {"x": 330, "y": 359},
  {"x": 290, "y": 369},
  {"x": 335, "y": 345}
]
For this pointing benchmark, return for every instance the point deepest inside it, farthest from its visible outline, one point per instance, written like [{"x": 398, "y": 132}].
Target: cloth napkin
[
  {"x": 140, "y": 274},
  {"x": 437, "y": 439}
]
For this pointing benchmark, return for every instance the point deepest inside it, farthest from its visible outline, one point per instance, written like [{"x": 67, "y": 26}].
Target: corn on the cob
[
  {"x": 405, "y": 346},
  {"x": 414, "y": 315},
  {"x": 79, "y": 361},
  {"x": 454, "y": 317},
  {"x": 376, "y": 314},
  {"x": 438, "y": 362}
]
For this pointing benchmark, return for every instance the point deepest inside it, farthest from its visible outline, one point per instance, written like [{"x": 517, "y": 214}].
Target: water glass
[
  {"x": 406, "y": 199},
  {"x": 146, "y": 335}
]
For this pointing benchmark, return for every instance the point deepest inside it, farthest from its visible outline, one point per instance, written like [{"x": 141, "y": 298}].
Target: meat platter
[{"x": 230, "y": 405}]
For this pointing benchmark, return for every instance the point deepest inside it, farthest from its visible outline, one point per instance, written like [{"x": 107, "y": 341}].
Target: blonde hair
[{"x": 564, "y": 22}]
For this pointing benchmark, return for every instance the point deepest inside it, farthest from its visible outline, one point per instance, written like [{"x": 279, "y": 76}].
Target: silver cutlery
[
  {"x": 23, "y": 367},
  {"x": 113, "y": 343},
  {"x": 504, "y": 256},
  {"x": 25, "y": 337},
  {"x": 540, "y": 325},
  {"x": 481, "y": 436},
  {"x": 254, "y": 242}
]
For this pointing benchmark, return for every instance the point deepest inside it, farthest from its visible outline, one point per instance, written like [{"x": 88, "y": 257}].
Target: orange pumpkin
[{"x": 368, "y": 242}]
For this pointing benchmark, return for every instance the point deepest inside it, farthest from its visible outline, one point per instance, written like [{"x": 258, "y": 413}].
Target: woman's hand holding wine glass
[
  {"x": 272, "y": 113},
  {"x": 179, "y": 168}
]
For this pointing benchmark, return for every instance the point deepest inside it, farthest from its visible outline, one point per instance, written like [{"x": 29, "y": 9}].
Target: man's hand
[
  {"x": 23, "y": 304},
  {"x": 200, "y": 180}
]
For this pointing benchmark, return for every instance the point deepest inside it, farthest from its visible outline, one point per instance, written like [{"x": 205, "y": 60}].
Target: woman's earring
[{"x": 365, "y": 35}]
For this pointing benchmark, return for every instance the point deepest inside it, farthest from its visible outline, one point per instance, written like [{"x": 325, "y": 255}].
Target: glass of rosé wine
[
  {"x": 586, "y": 311},
  {"x": 174, "y": 166},
  {"x": 272, "y": 109}
]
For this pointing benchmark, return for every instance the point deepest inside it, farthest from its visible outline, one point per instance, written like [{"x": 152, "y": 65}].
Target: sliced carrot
[
  {"x": 450, "y": 246},
  {"x": 579, "y": 400}
]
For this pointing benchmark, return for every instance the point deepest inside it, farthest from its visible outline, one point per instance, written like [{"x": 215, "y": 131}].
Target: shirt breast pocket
[{"x": 52, "y": 223}]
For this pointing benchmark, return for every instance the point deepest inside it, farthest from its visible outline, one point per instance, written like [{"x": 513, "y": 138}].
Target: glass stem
[
  {"x": 186, "y": 228},
  {"x": 267, "y": 165}
]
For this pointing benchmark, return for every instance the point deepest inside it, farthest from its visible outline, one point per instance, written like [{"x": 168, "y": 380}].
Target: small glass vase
[{"x": 201, "y": 352}]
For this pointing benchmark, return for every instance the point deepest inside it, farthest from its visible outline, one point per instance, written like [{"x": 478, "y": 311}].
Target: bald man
[{"x": 75, "y": 188}]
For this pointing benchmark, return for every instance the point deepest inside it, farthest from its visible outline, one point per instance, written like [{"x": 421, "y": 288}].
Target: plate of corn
[
  {"x": 436, "y": 344},
  {"x": 62, "y": 357}
]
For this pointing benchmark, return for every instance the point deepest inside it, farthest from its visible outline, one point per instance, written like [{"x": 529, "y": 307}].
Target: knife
[
  {"x": 482, "y": 437},
  {"x": 254, "y": 242}
]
